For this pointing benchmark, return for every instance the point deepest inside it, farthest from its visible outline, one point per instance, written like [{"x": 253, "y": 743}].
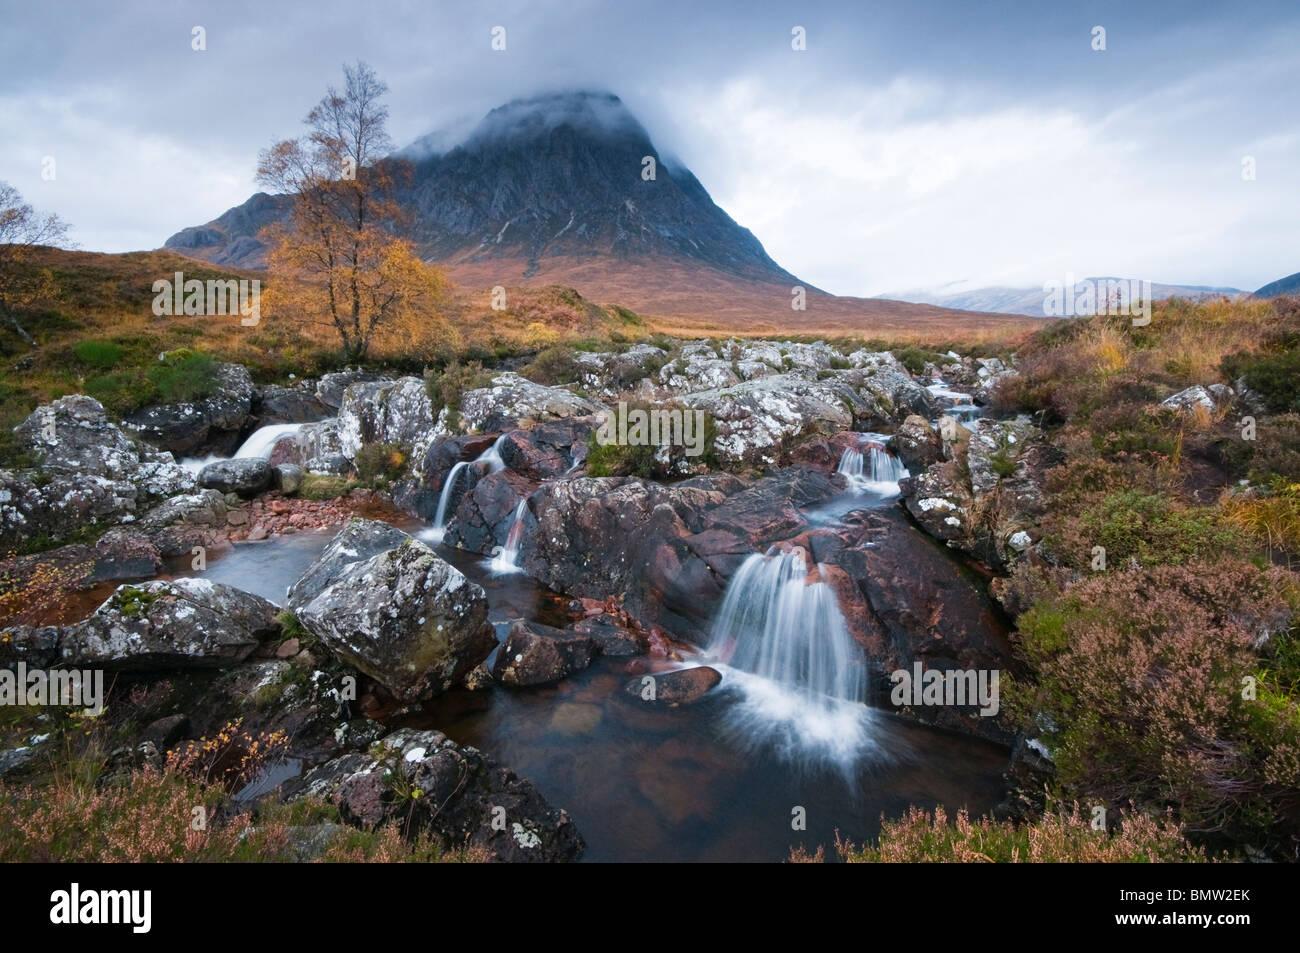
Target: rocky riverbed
[{"x": 496, "y": 606}]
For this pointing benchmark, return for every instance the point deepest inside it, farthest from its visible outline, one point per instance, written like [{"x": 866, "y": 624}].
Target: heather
[{"x": 1157, "y": 619}]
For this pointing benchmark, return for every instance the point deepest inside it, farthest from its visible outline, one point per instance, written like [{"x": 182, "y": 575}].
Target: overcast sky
[{"x": 911, "y": 145}]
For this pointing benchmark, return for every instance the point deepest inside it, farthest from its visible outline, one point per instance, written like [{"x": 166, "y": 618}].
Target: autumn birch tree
[
  {"x": 337, "y": 259},
  {"x": 22, "y": 230}
]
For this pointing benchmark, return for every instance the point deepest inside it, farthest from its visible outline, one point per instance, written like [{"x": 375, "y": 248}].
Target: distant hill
[
  {"x": 1003, "y": 299},
  {"x": 1290, "y": 285},
  {"x": 549, "y": 191}
]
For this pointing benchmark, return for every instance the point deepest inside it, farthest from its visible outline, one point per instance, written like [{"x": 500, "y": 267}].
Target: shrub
[
  {"x": 184, "y": 376},
  {"x": 915, "y": 358},
  {"x": 1059, "y": 837},
  {"x": 380, "y": 464},
  {"x": 1142, "y": 675},
  {"x": 102, "y": 355},
  {"x": 1148, "y": 528}
]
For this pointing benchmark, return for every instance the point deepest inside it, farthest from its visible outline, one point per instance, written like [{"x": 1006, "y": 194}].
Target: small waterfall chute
[
  {"x": 259, "y": 444},
  {"x": 787, "y": 649},
  {"x": 489, "y": 461},
  {"x": 873, "y": 469},
  {"x": 507, "y": 560}
]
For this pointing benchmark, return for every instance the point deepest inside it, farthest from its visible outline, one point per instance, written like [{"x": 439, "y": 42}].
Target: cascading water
[
  {"x": 878, "y": 471},
  {"x": 786, "y": 647},
  {"x": 507, "y": 560},
  {"x": 259, "y": 444},
  {"x": 954, "y": 402},
  {"x": 491, "y": 462}
]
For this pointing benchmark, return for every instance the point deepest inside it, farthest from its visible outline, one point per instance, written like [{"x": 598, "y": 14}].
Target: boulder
[
  {"x": 405, "y": 617},
  {"x": 389, "y": 412},
  {"x": 357, "y": 541},
  {"x": 610, "y": 637},
  {"x": 331, "y": 387},
  {"x": 463, "y": 794},
  {"x": 685, "y": 686},
  {"x": 513, "y": 402},
  {"x": 536, "y": 654},
  {"x": 85, "y": 471},
  {"x": 186, "y": 623},
  {"x": 274, "y": 404},
  {"x": 916, "y": 443},
  {"x": 287, "y": 478},
  {"x": 246, "y": 476}
]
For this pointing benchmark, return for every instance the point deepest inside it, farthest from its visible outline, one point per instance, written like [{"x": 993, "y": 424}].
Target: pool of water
[{"x": 719, "y": 780}]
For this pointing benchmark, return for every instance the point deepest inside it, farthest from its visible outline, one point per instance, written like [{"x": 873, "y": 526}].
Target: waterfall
[
  {"x": 785, "y": 646},
  {"x": 436, "y": 532},
  {"x": 259, "y": 444},
  {"x": 506, "y": 561},
  {"x": 490, "y": 459},
  {"x": 877, "y": 472},
  {"x": 776, "y": 623}
]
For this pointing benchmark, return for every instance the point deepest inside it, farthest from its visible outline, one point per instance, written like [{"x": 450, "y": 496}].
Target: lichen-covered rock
[
  {"x": 215, "y": 422},
  {"x": 397, "y": 412},
  {"x": 997, "y": 470},
  {"x": 86, "y": 471},
  {"x": 755, "y": 421},
  {"x": 610, "y": 374},
  {"x": 513, "y": 402},
  {"x": 404, "y": 617},
  {"x": 287, "y": 478},
  {"x": 536, "y": 654},
  {"x": 331, "y": 387},
  {"x": 357, "y": 541},
  {"x": 466, "y": 799},
  {"x": 185, "y": 623}
]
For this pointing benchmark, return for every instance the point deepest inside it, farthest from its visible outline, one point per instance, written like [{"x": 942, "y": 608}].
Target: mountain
[
  {"x": 1290, "y": 285},
  {"x": 550, "y": 190},
  {"x": 1003, "y": 299}
]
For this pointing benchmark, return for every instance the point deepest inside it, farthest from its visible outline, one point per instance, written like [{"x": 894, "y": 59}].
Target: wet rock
[
  {"x": 536, "y": 654},
  {"x": 612, "y": 638},
  {"x": 684, "y": 686},
  {"x": 404, "y": 617},
  {"x": 213, "y": 423},
  {"x": 576, "y": 719},
  {"x": 274, "y": 404},
  {"x": 37, "y": 646},
  {"x": 186, "y": 623},
  {"x": 916, "y": 443},
  {"x": 246, "y": 476},
  {"x": 463, "y": 796},
  {"x": 357, "y": 541}
]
